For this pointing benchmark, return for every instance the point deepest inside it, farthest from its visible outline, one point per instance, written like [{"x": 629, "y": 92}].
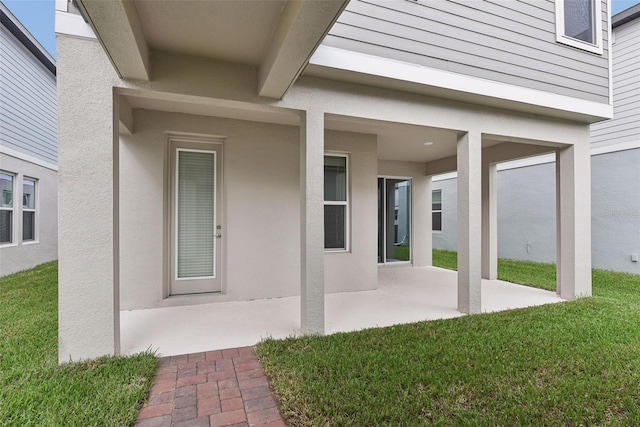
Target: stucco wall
[
  {"x": 261, "y": 187},
  {"x": 356, "y": 269},
  {"x": 18, "y": 255},
  {"x": 615, "y": 221}
]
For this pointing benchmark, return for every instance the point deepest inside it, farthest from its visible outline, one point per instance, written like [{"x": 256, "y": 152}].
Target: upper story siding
[
  {"x": 512, "y": 42},
  {"x": 28, "y": 102},
  {"x": 625, "y": 125}
]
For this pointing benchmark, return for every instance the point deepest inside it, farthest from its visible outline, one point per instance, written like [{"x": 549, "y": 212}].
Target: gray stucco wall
[
  {"x": 526, "y": 212},
  {"x": 20, "y": 255}
]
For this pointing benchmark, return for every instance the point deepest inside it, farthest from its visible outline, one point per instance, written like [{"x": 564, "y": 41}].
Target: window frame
[
  {"x": 34, "y": 210},
  {"x": 12, "y": 209},
  {"x": 436, "y": 210},
  {"x": 346, "y": 203},
  {"x": 561, "y": 37}
]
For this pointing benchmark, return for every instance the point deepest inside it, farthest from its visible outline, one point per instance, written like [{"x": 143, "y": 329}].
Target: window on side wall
[
  {"x": 579, "y": 24},
  {"x": 336, "y": 202},
  {"x": 436, "y": 210},
  {"x": 6, "y": 207},
  {"x": 28, "y": 209}
]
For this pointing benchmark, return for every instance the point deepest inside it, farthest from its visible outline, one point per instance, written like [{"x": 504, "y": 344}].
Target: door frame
[
  {"x": 195, "y": 143},
  {"x": 384, "y": 234}
]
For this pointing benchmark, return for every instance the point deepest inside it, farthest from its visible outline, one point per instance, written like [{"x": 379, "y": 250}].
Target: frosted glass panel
[{"x": 196, "y": 214}]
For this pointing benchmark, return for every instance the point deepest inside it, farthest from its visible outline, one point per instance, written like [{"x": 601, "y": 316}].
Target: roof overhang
[{"x": 129, "y": 30}]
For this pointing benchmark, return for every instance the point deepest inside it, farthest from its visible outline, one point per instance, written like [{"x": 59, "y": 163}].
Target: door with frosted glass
[{"x": 196, "y": 226}]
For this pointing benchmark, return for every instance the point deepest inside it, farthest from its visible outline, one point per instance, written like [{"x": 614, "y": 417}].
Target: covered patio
[{"x": 405, "y": 294}]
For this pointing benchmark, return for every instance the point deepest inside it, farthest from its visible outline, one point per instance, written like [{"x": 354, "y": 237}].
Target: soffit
[
  {"x": 403, "y": 142},
  {"x": 228, "y": 30}
]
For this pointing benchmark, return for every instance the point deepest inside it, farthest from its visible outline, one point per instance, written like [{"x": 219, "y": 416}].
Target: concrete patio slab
[{"x": 404, "y": 295}]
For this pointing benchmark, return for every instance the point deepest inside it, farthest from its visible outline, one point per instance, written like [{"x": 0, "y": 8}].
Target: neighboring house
[
  {"x": 28, "y": 149},
  {"x": 526, "y": 200},
  {"x": 227, "y": 151}
]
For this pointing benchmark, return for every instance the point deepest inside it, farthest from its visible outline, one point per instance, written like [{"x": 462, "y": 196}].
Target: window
[
  {"x": 579, "y": 24},
  {"x": 28, "y": 209},
  {"x": 336, "y": 202},
  {"x": 6, "y": 208},
  {"x": 436, "y": 210}
]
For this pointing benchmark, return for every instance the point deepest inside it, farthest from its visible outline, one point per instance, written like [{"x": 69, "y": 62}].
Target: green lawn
[
  {"x": 34, "y": 390},
  {"x": 576, "y": 363}
]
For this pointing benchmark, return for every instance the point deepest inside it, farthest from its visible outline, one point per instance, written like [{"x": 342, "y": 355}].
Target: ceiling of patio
[
  {"x": 233, "y": 31},
  {"x": 396, "y": 141}
]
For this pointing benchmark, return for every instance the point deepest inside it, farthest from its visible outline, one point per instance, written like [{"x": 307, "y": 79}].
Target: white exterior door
[{"x": 196, "y": 226}]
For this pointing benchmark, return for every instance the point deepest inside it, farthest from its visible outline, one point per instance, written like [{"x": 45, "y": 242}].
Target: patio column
[
  {"x": 88, "y": 300},
  {"x": 469, "y": 160},
  {"x": 312, "y": 222},
  {"x": 422, "y": 241},
  {"x": 489, "y": 222},
  {"x": 573, "y": 220}
]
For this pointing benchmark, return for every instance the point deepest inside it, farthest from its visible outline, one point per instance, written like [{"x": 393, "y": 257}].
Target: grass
[
  {"x": 576, "y": 363},
  {"x": 401, "y": 253},
  {"x": 34, "y": 389}
]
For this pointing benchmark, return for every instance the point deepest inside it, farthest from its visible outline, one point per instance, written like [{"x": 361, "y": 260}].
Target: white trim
[
  {"x": 331, "y": 57},
  {"x": 27, "y": 158},
  {"x": 411, "y": 204},
  {"x": 13, "y": 241},
  {"x": 72, "y": 24},
  {"x": 36, "y": 217},
  {"x": 346, "y": 203},
  {"x": 436, "y": 210},
  {"x": 612, "y": 39},
  {"x": 62, "y": 5},
  {"x": 602, "y": 148},
  {"x": 444, "y": 176},
  {"x": 570, "y": 41}
]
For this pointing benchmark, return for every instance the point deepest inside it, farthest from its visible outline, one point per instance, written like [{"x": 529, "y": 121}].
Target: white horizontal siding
[
  {"x": 28, "y": 112},
  {"x": 625, "y": 125},
  {"x": 507, "y": 41}
]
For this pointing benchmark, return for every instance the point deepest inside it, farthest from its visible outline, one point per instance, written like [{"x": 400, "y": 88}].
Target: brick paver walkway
[{"x": 214, "y": 388}]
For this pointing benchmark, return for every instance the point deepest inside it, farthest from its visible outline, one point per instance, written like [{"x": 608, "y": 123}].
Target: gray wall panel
[
  {"x": 511, "y": 42},
  {"x": 625, "y": 125},
  {"x": 28, "y": 118}
]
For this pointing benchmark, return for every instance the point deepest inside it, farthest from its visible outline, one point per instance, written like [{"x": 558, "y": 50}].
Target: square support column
[
  {"x": 312, "y": 222},
  {"x": 489, "y": 222},
  {"x": 422, "y": 233},
  {"x": 573, "y": 221},
  {"x": 88, "y": 196},
  {"x": 469, "y": 161}
]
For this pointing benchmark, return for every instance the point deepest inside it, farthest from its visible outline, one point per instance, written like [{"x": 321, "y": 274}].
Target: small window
[
  {"x": 436, "y": 210},
  {"x": 6, "y": 208},
  {"x": 336, "y": 202},
  {"x": 28, "y": 209},
  {"x": 579, "y": 24}
]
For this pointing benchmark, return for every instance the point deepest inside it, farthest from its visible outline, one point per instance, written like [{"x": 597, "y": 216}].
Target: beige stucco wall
[
  {"x": 261, "y": 227},
  {"x": 356, "y": 269},
  {"x": 20, "y": 255}
]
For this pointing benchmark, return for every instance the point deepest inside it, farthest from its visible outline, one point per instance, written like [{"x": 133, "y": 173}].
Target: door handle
[{"x": 218, "y": 236}]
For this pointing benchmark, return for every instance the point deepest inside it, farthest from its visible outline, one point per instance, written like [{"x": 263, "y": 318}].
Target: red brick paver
[{"x": 213, "y": 388}]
